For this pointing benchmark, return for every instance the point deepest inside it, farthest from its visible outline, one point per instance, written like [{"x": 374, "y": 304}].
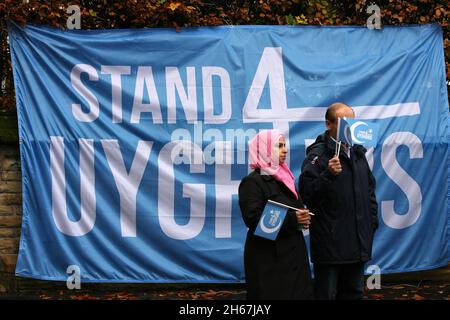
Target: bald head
[
  {"x": 337, "y": 107},
  {"x": 335, "y": 111}
]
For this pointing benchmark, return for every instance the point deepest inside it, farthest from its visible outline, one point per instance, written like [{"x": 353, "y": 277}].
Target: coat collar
[
  {"x": 358, "y": 150},
  {"x": 266, "y": 177}
]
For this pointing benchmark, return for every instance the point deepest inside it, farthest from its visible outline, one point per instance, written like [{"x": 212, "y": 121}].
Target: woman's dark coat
[{"x": 273, "y": 269}]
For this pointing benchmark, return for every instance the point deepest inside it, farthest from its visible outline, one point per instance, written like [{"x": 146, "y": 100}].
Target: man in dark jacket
[{"x": 340, "y": 190}]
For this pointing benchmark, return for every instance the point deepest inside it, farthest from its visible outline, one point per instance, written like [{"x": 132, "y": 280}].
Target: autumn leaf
[
  {"x": 289, "y": 19},
  {"x": 43, "y": 10},
  {"x": 377, "y": 296},
  {"x": 84, "y": 297},
  {"x": 174, "y": 5},
  {"x": 120, "y": 296},
  {"x": 398, "y": 287},
  {"x": 190, "y": 8}
]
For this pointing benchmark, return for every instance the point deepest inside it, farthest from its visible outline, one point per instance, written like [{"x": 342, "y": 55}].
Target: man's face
[{"x": 339, "y": 113}]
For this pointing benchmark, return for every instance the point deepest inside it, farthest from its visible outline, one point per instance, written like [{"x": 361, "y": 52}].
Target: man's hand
[
  {"x": 334, "y": 166},
  {"x": 303, "y": 218}
]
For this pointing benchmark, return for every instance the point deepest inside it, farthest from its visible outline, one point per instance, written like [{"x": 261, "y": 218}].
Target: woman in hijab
[{"x": 273, "y": 269}]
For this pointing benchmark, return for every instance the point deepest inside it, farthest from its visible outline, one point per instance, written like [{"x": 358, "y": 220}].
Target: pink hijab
[{"x": 261, "y": 156}]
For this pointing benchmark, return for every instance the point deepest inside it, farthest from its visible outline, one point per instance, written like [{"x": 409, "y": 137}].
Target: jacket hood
[{"x": 319, "y": 144}]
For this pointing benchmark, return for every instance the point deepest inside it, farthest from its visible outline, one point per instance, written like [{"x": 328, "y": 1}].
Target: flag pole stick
[
  {"x": 286, "y": 206},
  {"x": 337, "y": 137}
]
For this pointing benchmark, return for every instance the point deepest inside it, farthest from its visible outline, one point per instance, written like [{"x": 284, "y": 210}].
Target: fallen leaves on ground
[{"x": 406, "y": 291}]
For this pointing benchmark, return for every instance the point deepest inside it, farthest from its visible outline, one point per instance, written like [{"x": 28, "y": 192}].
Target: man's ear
[{"x": 328, "y": 124}]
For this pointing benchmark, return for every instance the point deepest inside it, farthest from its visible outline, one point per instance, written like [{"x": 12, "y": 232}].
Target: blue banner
[
  {"x": 448, "y": 197},
  {"x": 133, "y": 142}
]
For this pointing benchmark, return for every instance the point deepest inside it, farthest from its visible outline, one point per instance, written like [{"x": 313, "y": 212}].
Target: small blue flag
[
  {"x": 271, "y": 220},
  {"x": 360, "y": 132},
  {"x": 343, "y": 131}
]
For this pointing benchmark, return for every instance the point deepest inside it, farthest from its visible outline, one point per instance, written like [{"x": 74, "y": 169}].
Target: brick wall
[{"x": 10, "y": 213}]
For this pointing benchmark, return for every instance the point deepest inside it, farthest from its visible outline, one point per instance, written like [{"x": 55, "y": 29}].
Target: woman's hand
[{"x": 303, "y": 218}]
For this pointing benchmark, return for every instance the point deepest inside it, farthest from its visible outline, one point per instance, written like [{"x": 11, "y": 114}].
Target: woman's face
[{"x": 280, "y": 150}]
